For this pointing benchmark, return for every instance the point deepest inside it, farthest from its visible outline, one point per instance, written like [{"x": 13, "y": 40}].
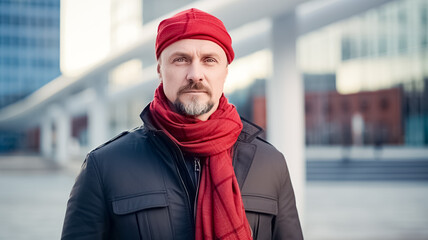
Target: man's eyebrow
[
  {"x": 210, "y": 54},
  {"x": 184, "y": 54},
  {"x": 178, "y": 53}
]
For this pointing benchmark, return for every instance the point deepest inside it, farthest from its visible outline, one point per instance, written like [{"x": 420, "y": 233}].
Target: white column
[
  {"x": 121, "y": 116},
  {"x": 285, "y": 103},
  {"x": 62, "y": 126},
  {"x": 98, "y": 119},
  {"x": 46, "y": 137},
  {"x": 63, "y": 133}
]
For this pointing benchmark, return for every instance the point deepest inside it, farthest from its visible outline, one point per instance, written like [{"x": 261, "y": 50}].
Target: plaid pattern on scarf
[{"x": 220, "y": 211}]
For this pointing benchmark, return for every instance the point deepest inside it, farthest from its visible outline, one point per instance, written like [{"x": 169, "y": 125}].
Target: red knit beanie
[{"x": 193, "y": 24}]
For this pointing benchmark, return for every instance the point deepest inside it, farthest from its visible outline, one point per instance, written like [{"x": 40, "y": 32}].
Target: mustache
[{"x": 194, "y": 86}]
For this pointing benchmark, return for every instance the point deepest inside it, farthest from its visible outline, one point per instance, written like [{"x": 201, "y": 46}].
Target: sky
[{"x": 85, "y": 34}]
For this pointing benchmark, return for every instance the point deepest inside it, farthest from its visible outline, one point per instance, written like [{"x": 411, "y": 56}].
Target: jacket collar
[
  {"x": 249, "y": 131},
  {"x": 147, "y": 119},
  {"x": 244, "y": 150}
]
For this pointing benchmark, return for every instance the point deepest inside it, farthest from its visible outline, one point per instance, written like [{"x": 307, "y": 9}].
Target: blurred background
[{"x": 340, "y": 86}]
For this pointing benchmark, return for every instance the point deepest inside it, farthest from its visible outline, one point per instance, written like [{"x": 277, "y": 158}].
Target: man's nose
[{"x": 195, "y": 73}]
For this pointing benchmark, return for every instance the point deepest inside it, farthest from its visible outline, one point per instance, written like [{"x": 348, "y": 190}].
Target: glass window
[
  {"x": 379, "y": 98},
  {"x": 424, "y": 16},
  {"x": 364, "y": 50},
  {"x": 424, "y": 41},
  {"x": 14, "y": 20},
  {"x": 346, "y": 48},
  {"x": 402, "y": 17},
  {"x": 382, "y": 45},
  {"x": 402, "y": 43}
]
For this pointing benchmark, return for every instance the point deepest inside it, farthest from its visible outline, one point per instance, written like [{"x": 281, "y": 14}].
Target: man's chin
[
  {"x": 193, "y": 97},
  {"x": 193, "y": 108}
]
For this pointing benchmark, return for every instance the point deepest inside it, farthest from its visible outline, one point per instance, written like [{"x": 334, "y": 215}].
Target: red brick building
[{"x": 328, "y": 117}]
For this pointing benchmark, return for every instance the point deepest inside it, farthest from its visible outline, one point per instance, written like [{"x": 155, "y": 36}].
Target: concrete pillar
[
  {"x": 63, "y": 134},
  {"x": 62, "y": 126},
  {"x": 121, "y": 116},
  {"x": 285, "y": 103},
  {"x": 46, "y": 137},
  {"x": 98, "y": 118}
]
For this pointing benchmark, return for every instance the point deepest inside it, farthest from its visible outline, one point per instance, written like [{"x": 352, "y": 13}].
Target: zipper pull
[
  {"x": 197, "y": 164},
  {"x": 197, "y": 170}
]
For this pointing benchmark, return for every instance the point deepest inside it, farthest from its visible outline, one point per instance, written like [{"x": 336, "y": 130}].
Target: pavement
[
  {"x": 34, "y": 193},
  {"x": 33, "y": 197},
  {"x": 366, "y": 210}
]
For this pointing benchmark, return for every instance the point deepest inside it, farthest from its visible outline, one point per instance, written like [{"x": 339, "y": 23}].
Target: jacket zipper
[
  {"x": 181, "y": 179},
  {"x": 198, "y": 172},
  {"x": 180, "y": 155},
  {"x": 198, "y": 180}
]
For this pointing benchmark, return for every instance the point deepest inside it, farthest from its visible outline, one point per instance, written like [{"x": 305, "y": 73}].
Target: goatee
[{"x": 194, "y": 107}]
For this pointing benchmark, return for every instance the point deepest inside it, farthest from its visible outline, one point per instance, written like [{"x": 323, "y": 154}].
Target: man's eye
[
  {"x": 180, "y": 59},
  {"x": 211, "y": 60}
]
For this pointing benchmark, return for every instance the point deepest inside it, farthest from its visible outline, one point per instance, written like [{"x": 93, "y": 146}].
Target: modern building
[
  {"x": 384, "y": 49},
  {"x": 331, "y": 118},
  {"x": 29, "y": 47},
  {"x": 29, "y": 52}
]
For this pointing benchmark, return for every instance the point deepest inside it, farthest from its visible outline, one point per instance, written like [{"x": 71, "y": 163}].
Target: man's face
[{"x": 193, "y": 73}]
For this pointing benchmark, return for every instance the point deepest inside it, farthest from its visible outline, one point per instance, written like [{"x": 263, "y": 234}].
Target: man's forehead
[{"x": 192, "y": 46}]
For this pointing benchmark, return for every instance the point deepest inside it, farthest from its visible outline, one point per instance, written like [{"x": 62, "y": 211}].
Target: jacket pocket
[
  {"x": 149, "y": 212},
  {"x": 260, "y": 212}
]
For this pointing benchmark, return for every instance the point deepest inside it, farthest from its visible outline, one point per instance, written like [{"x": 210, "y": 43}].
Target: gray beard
[{"x": 194, "y": 108}]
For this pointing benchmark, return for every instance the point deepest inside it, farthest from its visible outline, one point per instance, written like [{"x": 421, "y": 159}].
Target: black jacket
[{"x": 137, "y": 186}]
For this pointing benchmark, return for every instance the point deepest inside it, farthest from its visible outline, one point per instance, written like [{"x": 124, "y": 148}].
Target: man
[{"x": 194, "y": 170}]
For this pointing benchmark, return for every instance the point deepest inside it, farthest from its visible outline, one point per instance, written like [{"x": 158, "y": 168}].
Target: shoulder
[
  {"x": 265, "y": 148},
  {"x": 124, "y": 142},
  {"x": 267, "y": 172},
  {"x": 268, "y": 160},
  {"x": 268, "y": 169},
  {"x": 129, "y": 154},
  {"x": 264, "y": 151}
]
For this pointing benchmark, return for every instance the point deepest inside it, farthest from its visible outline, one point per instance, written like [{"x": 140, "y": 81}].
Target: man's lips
[{"x": 195, "y": 91}]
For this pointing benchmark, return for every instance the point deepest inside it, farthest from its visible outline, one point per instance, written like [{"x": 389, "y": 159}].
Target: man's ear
[{"x": 159, "y": 72}]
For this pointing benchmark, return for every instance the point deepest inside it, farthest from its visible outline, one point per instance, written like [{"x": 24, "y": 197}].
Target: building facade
[
  {"x": 29, "y": 52},
  {"x": 384, "y": 50}
]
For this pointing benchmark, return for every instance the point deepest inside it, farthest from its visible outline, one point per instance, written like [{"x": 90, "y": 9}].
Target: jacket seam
[
  {"x": 100, "y": 182},
  {"x": 260, "y": 196},
  {"x": 156, "y": 134},
  {"x": 171, "y": 225},
  {"x": 285, "y": 178},
  {"x": 101, "y": 186},
  {"x": 263, "y": 140},
  {"x": 235, "y": 157},
  {"x": 137, "y": 195}
]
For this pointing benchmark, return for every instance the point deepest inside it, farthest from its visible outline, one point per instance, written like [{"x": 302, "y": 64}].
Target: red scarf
[{"x": 220, "y": 211}]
